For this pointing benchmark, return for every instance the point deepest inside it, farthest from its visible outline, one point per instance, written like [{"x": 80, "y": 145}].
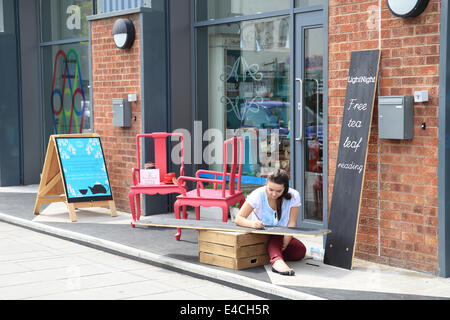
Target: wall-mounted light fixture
[
  {"x": 123, "y": 33},
  {"x": 407, "y": 8}
]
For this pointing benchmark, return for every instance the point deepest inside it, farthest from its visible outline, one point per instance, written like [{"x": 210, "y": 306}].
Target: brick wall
[
  {"x": 398, "y": 222},
  {"x": 115, "y": 74}
]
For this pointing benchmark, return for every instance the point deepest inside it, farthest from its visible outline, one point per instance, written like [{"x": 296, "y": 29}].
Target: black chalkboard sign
[{"x": 351, "y": 161}]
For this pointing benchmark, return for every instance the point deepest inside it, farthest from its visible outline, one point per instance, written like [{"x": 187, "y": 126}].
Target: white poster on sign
[{"x": 149, "y": 176}]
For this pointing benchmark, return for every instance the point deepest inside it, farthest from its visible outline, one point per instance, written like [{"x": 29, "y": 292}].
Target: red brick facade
[
  {"x": 115, "y": 74},
  {"x": 398, "y": 222}
]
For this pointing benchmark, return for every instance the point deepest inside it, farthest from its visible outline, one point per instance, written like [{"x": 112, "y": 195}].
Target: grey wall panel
[
  {"x": 31, "y": 115},
  {"x": 180, "y": 70},
  {"x": 154, "y": 91},
  {"x": 10, "y": 140},
  {"x": 180, "y": 73}
]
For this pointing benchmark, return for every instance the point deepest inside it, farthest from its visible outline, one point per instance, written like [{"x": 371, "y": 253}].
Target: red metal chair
[
  {"x": 160, "y": 163},
  {"x": 224, "y": 197}
]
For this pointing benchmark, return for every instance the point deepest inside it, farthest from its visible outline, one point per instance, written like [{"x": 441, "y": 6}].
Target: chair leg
[
  {"x": 138, "y": 206},
  {"x": 176, "y": 209},
  {"x": 225, "y": 213},
  {"x": 197, "y": 213},
  {"x": 132, "y": 207},
  {"x": 185, "y": 215}
]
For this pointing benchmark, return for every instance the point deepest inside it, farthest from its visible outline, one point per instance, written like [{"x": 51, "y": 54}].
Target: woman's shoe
[{"x": 284, "y": 273}]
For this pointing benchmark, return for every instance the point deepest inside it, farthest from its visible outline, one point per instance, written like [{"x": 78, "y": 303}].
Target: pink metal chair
[
  {"x": 160, "y": 163},
  {"x": 224, "y": 197}
]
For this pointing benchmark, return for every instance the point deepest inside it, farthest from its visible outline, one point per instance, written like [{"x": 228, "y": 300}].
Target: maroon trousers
[{"x": 295, "y": 251}]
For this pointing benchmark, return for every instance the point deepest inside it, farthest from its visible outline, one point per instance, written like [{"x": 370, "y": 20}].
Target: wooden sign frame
[
  {"x": 343, "y": 220},
  {"x": 52, "y": 187}
]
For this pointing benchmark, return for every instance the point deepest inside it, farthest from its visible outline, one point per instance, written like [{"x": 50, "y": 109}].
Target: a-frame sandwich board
[{"x": 66, "y": 155}]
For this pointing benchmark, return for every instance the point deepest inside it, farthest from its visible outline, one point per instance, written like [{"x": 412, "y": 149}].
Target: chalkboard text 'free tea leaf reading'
[{"x": 351, "y": 159}]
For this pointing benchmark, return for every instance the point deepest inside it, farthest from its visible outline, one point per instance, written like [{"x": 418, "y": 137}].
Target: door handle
[{"x": 300, "y": 110}]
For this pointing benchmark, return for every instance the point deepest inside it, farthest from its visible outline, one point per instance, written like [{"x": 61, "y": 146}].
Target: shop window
[
  {"x": 308, "y": 3},
  {"x": 2, "y": 24},
  {"x": 66, "y": 88},
  {"x": 218, "y": 9},
  {"x": 64, "y": 19},
  {"x": 105, "y": 6},
  {"x": 65, "y": 66},
  {"x": 243, "y": 89}
]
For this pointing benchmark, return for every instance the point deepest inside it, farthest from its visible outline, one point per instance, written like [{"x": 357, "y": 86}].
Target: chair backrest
[
  {"x": 160, "y": 150},
  {"x": 234, "y": 143}
]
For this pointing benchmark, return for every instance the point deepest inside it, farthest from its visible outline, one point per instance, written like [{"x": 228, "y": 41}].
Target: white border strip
[{"x": 178, "y": 264}]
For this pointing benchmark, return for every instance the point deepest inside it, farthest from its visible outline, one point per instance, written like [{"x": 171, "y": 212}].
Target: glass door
[
  {"x": 243, "y": 89},
  {"x": 308, "y": 116}
]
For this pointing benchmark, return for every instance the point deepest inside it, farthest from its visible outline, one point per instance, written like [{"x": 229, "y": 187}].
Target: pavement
[
  {"x": 37, "y": 266},
  {"x": 156, "y": 246}
]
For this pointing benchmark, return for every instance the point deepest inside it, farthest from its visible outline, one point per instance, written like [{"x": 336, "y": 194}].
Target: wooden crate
[{"x": 234, "y": 250}]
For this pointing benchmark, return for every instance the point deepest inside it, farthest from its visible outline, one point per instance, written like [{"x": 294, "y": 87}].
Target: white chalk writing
[
  {"x": 351, "y": 166},
  {"x": 361, "y": 79},
  {"x": 352, "y": 144},
  {"x": 357, "y": 106},
  {"x": 354, "y": 123}
]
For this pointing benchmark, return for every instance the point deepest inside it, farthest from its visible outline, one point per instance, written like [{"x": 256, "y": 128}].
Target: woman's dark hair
[{"x": 280, "y": 176}]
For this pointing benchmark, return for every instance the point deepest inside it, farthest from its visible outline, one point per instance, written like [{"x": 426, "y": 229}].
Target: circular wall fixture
[
  {"x": 407, "y": 8},
  {"x": 123, "y": 33}
]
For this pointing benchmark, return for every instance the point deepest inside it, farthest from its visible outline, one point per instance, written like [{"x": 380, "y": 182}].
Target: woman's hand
[
  {"x": 258, "y": 225},
  {"x": 242, "y": 215}
]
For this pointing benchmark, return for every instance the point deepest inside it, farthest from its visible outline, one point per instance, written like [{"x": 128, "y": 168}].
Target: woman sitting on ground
[{"x": 275, "y": 204}]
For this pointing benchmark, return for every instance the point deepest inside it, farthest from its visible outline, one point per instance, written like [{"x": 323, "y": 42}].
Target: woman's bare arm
[{"x": 242, "y": 215}]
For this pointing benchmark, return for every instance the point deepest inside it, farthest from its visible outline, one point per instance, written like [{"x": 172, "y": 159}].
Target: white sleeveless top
[{"x": 257, "y": 199}]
